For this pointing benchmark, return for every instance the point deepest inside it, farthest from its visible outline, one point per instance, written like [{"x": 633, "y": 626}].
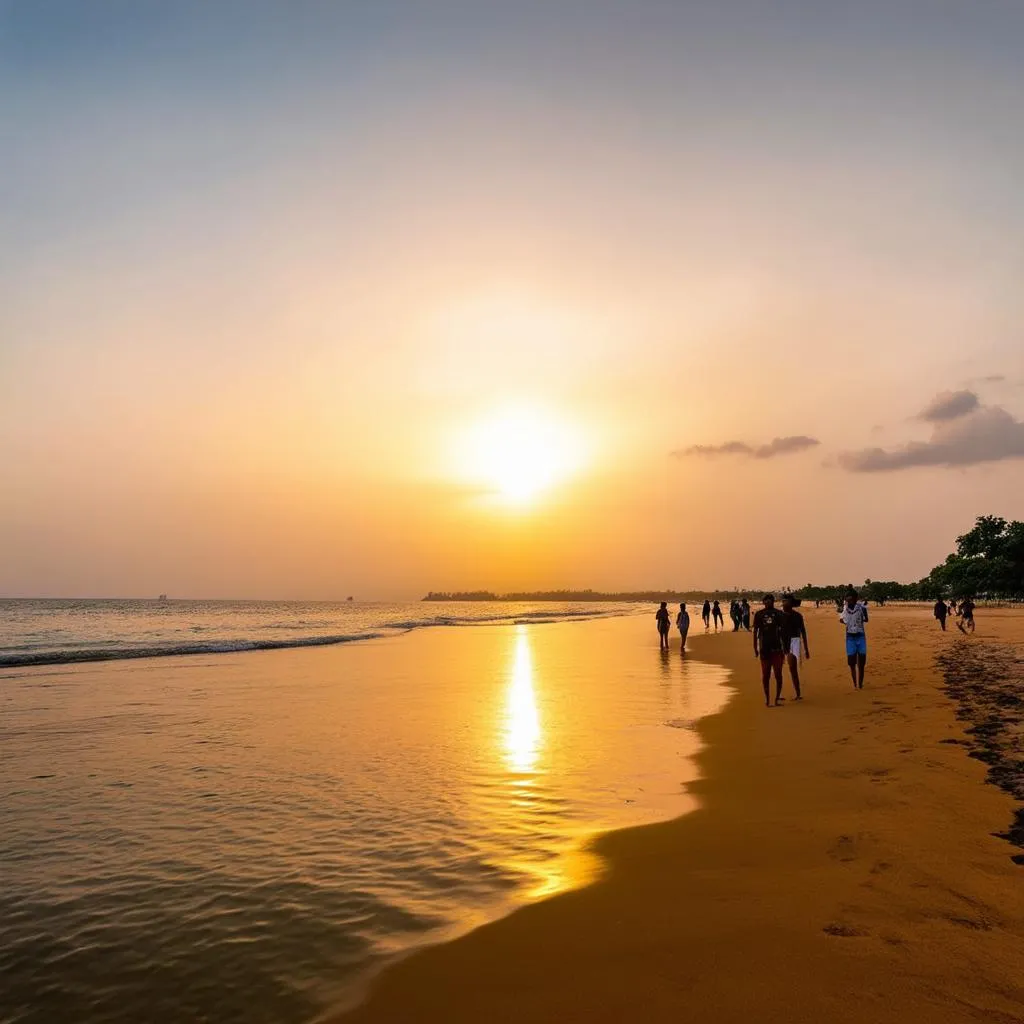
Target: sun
[{"x": 520, "y": 454}]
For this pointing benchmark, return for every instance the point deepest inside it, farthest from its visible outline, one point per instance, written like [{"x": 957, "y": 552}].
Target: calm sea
[
  {"x": 52, "y": 632},
  {"x": 204, "y": 826}
]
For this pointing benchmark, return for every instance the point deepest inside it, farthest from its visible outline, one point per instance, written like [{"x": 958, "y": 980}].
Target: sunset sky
[{"x": 304, "y": 299}]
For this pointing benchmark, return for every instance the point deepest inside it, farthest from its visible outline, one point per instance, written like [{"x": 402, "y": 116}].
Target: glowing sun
[{"x": 520, "y": 454}]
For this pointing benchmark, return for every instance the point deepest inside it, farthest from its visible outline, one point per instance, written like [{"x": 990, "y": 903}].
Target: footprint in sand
[{"x": 843, "y": 849}]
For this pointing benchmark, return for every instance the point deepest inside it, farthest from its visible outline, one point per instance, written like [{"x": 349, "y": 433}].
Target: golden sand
[{"x": 842, "y": 867}]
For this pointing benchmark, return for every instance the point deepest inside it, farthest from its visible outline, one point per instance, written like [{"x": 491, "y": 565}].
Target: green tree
[{"x": 989, "y": 560}]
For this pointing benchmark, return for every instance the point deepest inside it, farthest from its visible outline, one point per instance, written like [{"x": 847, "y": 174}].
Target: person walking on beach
[
  {"x": 683, "y": 625},
  {"x": 940, "y": 612},
  {"x": 769, "y": 647},
  {"x": 745, "y": 613},
  {"x": 705, "y": 614},
  {"x": 662, "y": 618},
  {"x": 853, "y": 616},
  {"x": 794, "y": 635},
  {"x": 735, "y": 614},
  {"x": 966, "y": 616},
  {"x": 716, "y": 614}
]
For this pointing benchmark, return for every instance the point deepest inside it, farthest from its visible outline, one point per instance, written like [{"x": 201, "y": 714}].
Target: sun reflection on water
[{"x": 522, "y": 721}]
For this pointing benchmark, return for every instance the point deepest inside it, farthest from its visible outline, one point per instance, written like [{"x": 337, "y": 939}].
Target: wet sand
[{"x": 844, "y": 866}]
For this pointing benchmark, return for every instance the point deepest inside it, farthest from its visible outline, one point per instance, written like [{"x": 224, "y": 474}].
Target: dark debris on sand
[{"x": 987, "y": 681}]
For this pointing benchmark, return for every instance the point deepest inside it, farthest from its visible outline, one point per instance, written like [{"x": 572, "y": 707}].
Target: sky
[{"x": 305, "y": 299}]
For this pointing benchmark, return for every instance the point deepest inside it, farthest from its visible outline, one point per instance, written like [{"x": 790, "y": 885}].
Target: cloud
[
  {"x": 777, "y": 446},
  {"x": 995, "y": 378},
  {"x": 950, "y": 405},
  {"x": 785, "y": 446},
  {"x": 989, "y": 434}
]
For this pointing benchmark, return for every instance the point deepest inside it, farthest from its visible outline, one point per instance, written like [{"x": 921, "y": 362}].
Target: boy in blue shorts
[{"x": 853, "y": 616}]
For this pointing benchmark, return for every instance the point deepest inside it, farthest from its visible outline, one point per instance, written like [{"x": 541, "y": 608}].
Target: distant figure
[
  {"x": 716, "y": 614},
  {"x": 745, "y": 613},
  {"x": 662, "y": 618},
  {"x": 940, "y": 611},
  {"x": 683, "y": 625},
  {"x": 966, "y": 620},
  {"x": 794, "y": 635},
  {"x": 735, "y": 614},
  {"x": 769, "y": 646},
  {"x": 853, "y": 616},
  {"x": 705, "y": 614}
]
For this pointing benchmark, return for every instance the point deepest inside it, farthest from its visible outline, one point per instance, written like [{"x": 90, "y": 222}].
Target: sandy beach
[{"x": 844, "y": 865}]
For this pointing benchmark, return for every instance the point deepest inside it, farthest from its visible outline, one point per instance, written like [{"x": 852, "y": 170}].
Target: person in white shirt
[{"x": 854, "y": 615}]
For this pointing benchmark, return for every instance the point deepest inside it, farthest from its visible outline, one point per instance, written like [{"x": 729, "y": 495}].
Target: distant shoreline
[{"x": 639, "y": 596}]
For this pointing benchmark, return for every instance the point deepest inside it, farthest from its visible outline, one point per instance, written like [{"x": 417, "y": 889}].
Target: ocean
[
  {"x": 55, "y": 632},
  {"x": 238, "y": 811}
]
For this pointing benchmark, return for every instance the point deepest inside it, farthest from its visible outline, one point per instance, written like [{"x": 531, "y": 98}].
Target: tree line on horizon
[{"x": 988, "y": 563}]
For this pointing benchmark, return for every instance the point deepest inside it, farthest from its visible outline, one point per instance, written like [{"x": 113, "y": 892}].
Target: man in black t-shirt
[
  {"x": 794, "y": 637},
  {"x": 768, "y": 646}
]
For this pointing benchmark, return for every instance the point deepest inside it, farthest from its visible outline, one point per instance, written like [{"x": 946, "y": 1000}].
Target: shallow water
[
  {"x": 241, "y": 837},
  {"x": 57, "y": 632}
]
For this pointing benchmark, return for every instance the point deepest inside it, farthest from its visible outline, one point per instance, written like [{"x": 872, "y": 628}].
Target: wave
[
  {"x": 20, "y": 657},
  {"x": 170, "y": 650},
  {"x": 522, "y": 618}
]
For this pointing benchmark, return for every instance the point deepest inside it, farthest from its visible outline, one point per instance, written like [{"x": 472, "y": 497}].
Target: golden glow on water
[
  {"x": 523, "y": 733},
  {"x": 529, "y": 796},
  {"x": 354, "y": 801}
]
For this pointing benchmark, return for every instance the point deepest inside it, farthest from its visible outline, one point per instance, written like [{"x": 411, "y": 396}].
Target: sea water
[
  {"x": 45, "y": 632},
  {"x": 245, "y": 836}
]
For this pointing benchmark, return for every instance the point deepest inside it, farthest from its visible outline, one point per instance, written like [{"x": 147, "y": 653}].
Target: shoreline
[
  {"x": 841, "y": 865},
  {"x": 586, "y": 850},
  {"x": 398, "y": 792}
]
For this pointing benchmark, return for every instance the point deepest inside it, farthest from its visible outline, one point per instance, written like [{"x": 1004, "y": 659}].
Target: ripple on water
[{"x": 319, "y": 830}]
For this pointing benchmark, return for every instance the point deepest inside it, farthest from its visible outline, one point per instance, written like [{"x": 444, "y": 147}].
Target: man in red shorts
[{"x": 769, "y": 646}]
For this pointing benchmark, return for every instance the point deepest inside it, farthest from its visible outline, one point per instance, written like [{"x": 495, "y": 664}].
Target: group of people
[
  {"x": 711, "y": 614},
  {"x": 780, "y": 637},
  {"x": 964, "y": 614}
]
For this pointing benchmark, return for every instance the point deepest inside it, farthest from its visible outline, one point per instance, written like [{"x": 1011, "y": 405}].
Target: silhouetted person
[
  {"x": 662, "y": 618},
  {"x": 794, "y": 636},
  {"x": 966, "y": 621},
  {"x": 735, "y": 614},
  {"x": 683, "y": 625},
  {"x": 854, "y": 615},
  {"x": 716, "y": 614},
  {"x": 769, "y": 647},
  {"x": 745, "y": 613},
  {"x": 705, "y": 614},
  {"x": 940, "y": 611}
]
